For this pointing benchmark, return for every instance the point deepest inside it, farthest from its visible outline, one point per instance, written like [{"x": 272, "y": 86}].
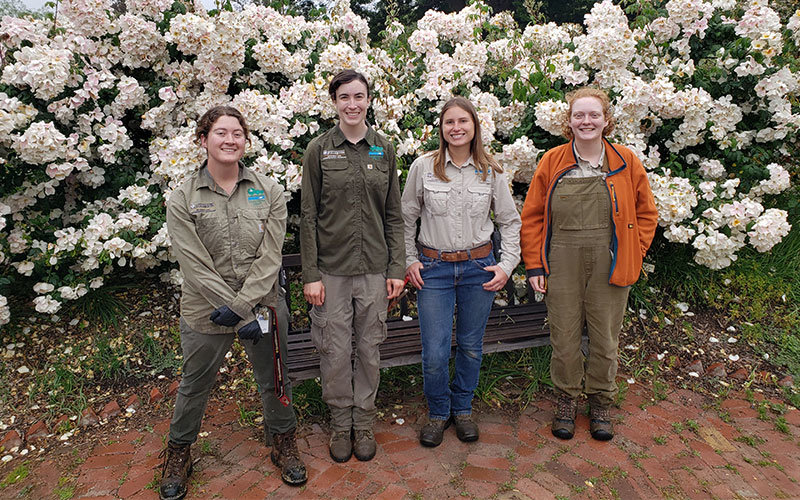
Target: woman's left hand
[{"x": 499, "y": 280}]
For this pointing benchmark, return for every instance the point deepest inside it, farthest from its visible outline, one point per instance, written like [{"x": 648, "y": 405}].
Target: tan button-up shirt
[
  {"x": 586, "y": 168},
  {"x": 228, "y": 247},
  {"x": 350, "y": 204},
  {"x": 455, "y": 215}
]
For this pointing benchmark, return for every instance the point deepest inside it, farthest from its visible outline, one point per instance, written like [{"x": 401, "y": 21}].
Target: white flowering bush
[{"x": 97, "y": 114}]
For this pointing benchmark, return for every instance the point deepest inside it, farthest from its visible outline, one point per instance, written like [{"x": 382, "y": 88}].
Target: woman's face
[
  {"x": 226, "y": 141},
  {"x": 352, "y": 103},
  {"x": 587, "y": 120},
  {"x": 458, "y": 129}
]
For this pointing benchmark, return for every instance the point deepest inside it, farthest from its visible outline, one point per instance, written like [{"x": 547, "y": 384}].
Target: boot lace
[
  {"x": 175, "y": 462},
  {"x": 566, "y": 407}
]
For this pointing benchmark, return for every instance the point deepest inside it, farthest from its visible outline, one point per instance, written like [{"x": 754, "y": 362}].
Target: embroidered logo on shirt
[
  {"x": 334, "y": 154},
  {"x": 202, "y": 208},
  {"x": 376, "y": 151},
  {"x": 254, "y": 195}
]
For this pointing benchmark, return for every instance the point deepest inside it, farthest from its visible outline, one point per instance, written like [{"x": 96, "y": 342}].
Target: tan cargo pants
[
  {"x": 354, "y": 305},
  {"x": 578, "y": 292}
]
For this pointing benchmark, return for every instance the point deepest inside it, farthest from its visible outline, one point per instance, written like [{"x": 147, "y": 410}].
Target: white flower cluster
[{"x": 42, "y": 68}]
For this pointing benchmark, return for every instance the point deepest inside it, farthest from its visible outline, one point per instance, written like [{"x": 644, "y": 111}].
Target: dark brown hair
[
  {"x": 211, "y": 116},
  {"x": 482, "y": 159},
  {"x": 598, "y": 94},
  {"x": 346, "y": 76}
]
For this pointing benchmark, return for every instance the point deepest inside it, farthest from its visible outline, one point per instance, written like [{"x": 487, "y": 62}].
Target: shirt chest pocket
[
  {"x": 212, "y": 232},
  {"x": 252, "y": 227},
  {"x": 480, "y": 197},
  {"x": 335, "y": 174},
  {"x": 435, "y": 198},
  {"x": 376, "y": 174}
]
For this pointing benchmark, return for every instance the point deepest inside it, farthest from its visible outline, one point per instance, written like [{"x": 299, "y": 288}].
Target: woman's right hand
[
  {"x": 314, "y": 293},
  {"x": 412, "y": 272},
  {"x": 539, "y": 283}
]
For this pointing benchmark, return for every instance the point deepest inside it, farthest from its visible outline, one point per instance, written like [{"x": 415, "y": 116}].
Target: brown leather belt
[{"x": 459, "y": 255}]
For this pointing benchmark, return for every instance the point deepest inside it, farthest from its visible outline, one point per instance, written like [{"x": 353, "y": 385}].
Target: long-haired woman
[{"x": 458, "y": 193}]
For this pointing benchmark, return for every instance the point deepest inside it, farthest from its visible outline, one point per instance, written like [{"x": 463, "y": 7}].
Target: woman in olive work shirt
[
  {"x": 453, "y": 192},
  {"x": 226, "y": 225},
  {"x": 351, "y": 238}
]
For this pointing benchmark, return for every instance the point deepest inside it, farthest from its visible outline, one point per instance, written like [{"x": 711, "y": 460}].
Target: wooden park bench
[{"x": 514, "y": 326}]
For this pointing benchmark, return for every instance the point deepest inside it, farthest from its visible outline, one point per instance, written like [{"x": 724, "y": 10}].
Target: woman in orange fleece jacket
[{"x": 588, "y": 220}]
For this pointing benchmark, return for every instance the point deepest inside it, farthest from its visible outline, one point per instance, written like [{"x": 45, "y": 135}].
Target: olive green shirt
[
  {"x": 228, "y": 247},
  {"x": 350, "y": 202}
]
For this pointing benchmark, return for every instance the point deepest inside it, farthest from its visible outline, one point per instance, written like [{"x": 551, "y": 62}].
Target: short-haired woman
[
  {"x": 453, "y": 192},
  {"x": 587, "y": 222},
  {"x": 227, "y": 225}
]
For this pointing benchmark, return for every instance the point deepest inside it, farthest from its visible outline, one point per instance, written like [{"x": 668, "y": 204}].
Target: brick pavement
[{"x": 676, "y": 448}]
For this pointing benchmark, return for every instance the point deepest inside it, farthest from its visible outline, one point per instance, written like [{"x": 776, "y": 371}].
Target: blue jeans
[{"x": 448, "y": 284}]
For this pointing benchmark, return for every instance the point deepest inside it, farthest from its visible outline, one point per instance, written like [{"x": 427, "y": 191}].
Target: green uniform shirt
[
  {"x": 351, "y": 217},
  {"x": 228, "y": 247}
]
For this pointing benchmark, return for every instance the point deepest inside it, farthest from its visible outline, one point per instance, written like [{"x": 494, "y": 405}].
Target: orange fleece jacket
[{"x": 634, "y": 215}]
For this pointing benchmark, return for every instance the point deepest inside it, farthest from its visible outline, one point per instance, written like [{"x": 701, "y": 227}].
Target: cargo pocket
[
  {"x": 319, "y": 321},
  {"x": 382, "y": 325}
]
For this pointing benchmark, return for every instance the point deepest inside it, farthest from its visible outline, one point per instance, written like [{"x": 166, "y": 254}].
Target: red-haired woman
[
  {"x": 588, "y": 220},
  {"x": 453, "y": 192}
]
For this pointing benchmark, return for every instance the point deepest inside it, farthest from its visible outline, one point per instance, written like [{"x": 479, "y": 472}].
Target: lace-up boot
[
  {"x": 286, "y": 457},
  {"x": 564, "y": 418},
  {"x": 175, "y": 471},
  {"x": 600, "y": 425}
]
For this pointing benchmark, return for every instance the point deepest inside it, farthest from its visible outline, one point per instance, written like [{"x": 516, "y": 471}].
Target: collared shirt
[
  {"x": 228, "y": 247},
  {"x": 455, "y": 215},
  {"x": 350, "y": 203},
  {"x": 586, "y": 168}
]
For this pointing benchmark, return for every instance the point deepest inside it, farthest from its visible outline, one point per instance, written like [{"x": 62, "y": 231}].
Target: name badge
[
  {"x": 202, "y": 208},
  {"x": 334, "y": 154},
  {"x": 376, "y": 151}
]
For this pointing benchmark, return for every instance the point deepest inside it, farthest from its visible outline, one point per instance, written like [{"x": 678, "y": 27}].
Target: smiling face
[
  {"x": 458, "y": 129},
  {"x": 352, "y": 103},
  {"x": 587, "y": 120},
  {"x": 225, "y": 141}
]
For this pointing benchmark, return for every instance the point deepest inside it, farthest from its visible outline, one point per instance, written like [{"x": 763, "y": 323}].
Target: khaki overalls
[{"x": 578, "y": 292}]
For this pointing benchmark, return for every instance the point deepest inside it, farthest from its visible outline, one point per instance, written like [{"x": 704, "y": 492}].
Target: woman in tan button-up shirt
[{"x": 452, "y": 192}]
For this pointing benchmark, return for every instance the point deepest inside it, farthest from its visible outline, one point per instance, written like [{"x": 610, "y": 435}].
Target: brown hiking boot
[
  {"x": 564, "y": 417},
  {"x": 364, "y": 445},
  {"x": 466, "y": 428},
  {"x": 175, "y": 471},
  {"x": 341, "y": 446},
  {"x": 286, "y": 457},
  {"x": 600, "y": 425},
  {"x": 432, "y": 432}
]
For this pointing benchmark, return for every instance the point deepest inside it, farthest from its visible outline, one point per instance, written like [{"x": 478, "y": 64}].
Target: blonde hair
[
  {"x": 484, "y": 161},
  {"x": 598, "y": 94}
]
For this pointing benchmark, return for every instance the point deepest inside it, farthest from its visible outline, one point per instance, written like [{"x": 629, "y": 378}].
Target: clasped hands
[{"x": 224, "y": 316}]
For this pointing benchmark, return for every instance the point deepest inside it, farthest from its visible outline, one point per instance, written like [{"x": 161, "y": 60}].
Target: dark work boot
[
  {"x": 286, "y": 457},
  {"x": 466, "y": 428},
  {"x": 600, "y": 426},
  {"x": 564, "y": 417},
  {"x": 175, "y": 471},
  {"x": 432, "y": 432},
  {"x": 364, "y": 445}
]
